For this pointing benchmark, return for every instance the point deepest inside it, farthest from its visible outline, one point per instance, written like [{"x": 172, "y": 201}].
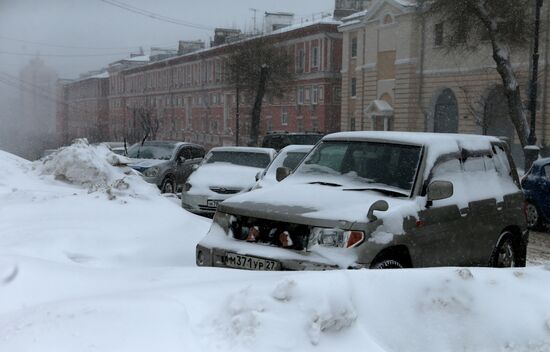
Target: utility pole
[
  {"x": 533, "y": 152},
  {"x": 237, "y": 115},
  {"x": 255, "y": 12}
]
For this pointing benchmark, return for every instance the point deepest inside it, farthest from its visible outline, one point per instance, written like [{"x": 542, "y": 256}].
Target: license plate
[
  {"x": 213, "y": 203},
  {"x": 251, "y": 263}
]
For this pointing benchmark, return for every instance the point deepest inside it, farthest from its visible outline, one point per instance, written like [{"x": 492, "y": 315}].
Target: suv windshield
[
  {"x": 257, "y": 160},
  {"x": 162, "y": 152},
  {"x": 367, "y": 164}
]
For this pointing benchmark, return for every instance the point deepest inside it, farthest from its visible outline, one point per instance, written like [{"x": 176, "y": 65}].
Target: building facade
[
  {"x": 187, "y": 97},
  {"x": 397, "y": 75}
]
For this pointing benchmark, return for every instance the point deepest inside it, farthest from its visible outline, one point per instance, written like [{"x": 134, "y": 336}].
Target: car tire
[
  {"x": 168, "y": 185},
  {"x": 532, "y": 213},
  {"x": 505, "y": 254},
  {"x": 387, "y": 264}
]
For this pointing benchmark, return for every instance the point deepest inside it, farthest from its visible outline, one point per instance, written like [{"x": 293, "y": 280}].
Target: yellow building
[{"x": 397, "y": 75}]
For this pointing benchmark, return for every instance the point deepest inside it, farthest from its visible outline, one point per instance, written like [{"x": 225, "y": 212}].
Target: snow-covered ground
[{"x": 94, "y": 259}]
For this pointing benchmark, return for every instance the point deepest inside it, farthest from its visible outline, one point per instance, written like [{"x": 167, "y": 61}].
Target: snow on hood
[
  {"x": 311, "y": 202},
  {"x": 142, "y": 164},
  {"x": 222, "y": 175}
]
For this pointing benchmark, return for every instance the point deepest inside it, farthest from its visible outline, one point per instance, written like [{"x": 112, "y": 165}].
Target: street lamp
[{"x": 533, "y": 152}]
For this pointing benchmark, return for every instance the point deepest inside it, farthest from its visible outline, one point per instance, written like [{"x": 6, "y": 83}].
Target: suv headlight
[
  {"x": 151, "y": 172},
  {"x": 337, "y": 238}
]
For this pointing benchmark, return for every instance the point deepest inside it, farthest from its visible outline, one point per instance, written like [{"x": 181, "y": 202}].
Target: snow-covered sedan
[
  {"x": 224, "y": 172},
  {"x": 288, "y": 157}
]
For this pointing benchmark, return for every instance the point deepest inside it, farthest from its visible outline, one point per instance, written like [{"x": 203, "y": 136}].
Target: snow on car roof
[
  {"x": 296, "y": 148},
  {"x": 244, "y": 149},
  {"x": 468, "y": 141}
]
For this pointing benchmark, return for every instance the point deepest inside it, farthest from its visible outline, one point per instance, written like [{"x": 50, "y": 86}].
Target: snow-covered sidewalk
[{"x": 105, "y": 263}]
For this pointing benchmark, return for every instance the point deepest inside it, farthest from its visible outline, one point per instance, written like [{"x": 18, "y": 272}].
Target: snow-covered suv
[{"x": 379, "y": 200}]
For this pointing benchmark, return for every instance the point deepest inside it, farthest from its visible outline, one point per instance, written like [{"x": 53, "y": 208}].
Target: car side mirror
[
  {"x": 258, "y": 176},
  {"x": 180, "y": 160},
  {"x": 282, "y": 173},
  {"x": 195, "y": 166},
  {"x": 380, "y": 205},
  {"x": 439, "y": 190}
]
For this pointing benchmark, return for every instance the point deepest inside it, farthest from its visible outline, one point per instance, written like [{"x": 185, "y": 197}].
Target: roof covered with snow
[{"x": 417, "y": 138}]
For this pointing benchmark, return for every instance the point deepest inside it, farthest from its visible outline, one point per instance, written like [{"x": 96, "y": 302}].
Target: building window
[
  {"x": 354, "y": 47},
  {"x": 388, "y": 19},
  {"x": 352, "y": 124},
  {"x": 315, "y": 57},
  {"x": 284, "y": 117},
  {"x": 269, "y": 124},
  {"x": 353, "y": 87},
  {"x": 300, "y": 60},
  {"x": 300, "y": 95},
  {"x": 438, "y": 34},
  {"x": 337, "y": 95},
  {"x": 315, "y": 96},
  {"x": 321, "y": 93},
  {"x": 307, "y": 95}
]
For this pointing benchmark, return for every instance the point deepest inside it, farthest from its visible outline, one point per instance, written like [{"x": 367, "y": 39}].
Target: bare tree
[
  {"x": 505, "y": 24},
  {"x": 259, "y": 67},
  {"x": 145, "y": 124}
]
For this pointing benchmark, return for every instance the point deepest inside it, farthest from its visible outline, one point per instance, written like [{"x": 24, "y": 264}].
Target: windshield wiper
[
  {"x": 330, "y": 184},
  {"x": 381, "y": 190}
]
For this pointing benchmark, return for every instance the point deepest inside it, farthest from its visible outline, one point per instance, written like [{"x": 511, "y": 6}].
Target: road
[{"x": 538, "y": 251}]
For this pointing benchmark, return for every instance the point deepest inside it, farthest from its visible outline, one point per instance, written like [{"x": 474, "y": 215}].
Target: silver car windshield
[
  {"x": 161, "y": 152},
  {"x": 257, "y": 160},
  {"x": 363, "y": 164}
]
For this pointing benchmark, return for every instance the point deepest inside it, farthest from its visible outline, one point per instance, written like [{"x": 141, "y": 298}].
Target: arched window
[
  {"x": 388, "y": 19},
  {"x": 446, "y": 113}
]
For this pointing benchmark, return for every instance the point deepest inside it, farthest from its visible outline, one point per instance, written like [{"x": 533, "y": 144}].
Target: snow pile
[
  {"x": 106, "y": 218},
  {"x": 94, "y": 167}
]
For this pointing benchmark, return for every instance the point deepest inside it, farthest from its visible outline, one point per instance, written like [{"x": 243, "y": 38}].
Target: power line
[
  {"x": 66, "y": 46},
  {"x": 155, "y": 16},
  {"x": 78, "y": 47},
  {"x": 61, "y": 55}
]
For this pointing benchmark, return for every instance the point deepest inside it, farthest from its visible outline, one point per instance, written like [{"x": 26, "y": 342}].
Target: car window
[
  {"x": 547, "y": 171},
  {"x": 162, "y": 152},
  {"x": 364, "y": 163},
  {"x": 257, "y": 160},
  {"x": 500, "y": 159},
  {"x": 185, "y": 153},
  {"x": 197, "y": 153}
]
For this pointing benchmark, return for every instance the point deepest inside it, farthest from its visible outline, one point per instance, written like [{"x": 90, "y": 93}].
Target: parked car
[
  {"x": 379, "y": 200},
  {"x": 225, "y": 172},
  {"x": 536, "y": 186},
  {"x": 289, "y": 157},
  {"x": 165, "y": 164},
  {"x": 279, "y": 140},
  {"x": 116, "y": 147}
]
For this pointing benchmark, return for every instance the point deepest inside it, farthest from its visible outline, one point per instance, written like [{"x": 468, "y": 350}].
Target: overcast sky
[{"x": 106, "y": 33}]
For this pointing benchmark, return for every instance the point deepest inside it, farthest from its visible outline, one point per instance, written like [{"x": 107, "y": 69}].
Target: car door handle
[{"x": 464, "y": 211}]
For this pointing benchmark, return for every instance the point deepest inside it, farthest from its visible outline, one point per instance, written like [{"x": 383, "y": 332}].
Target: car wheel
[
  {"x": 168, "y": 186},
  {"x": 533, "y": 216},
  {"x": 387, "y": 264},
  {"x": 504, "y": 255}
]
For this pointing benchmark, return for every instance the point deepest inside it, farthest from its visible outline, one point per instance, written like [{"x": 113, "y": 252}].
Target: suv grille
[{"x": 221, "y": 190}]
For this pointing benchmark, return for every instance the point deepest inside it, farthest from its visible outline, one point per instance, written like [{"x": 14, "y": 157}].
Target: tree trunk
[
  {"x": 512, "y": 92},
  {"x": 257, "y": 109}
]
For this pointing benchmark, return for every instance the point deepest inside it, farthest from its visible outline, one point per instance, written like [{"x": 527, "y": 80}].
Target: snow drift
[{"x": 81, "y": 271}]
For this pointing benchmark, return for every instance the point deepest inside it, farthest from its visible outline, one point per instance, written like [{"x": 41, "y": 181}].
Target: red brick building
[{"x": 190, "y": 99}]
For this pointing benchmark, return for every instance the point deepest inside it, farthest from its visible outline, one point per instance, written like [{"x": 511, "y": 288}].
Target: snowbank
[
  {"x": 76, "y": 207},
  {"x": 80, "y": 271},
  {"x": 94, "y": 167},
  {"x": 190, "y": 310}
]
